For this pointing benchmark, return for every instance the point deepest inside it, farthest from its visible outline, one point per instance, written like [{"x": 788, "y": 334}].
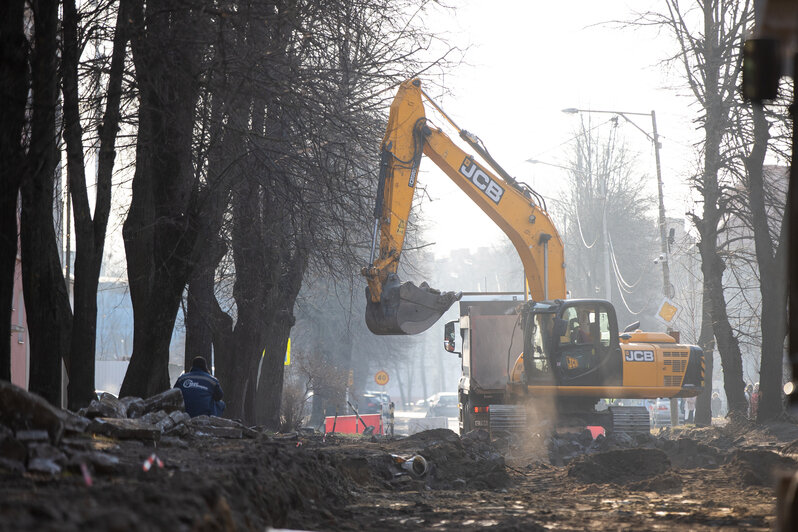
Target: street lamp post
[
  {"x": 666, "y": 281},
  {"x": 654, "y": 138}
]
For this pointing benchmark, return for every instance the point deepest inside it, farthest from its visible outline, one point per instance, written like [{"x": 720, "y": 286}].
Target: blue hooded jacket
[{"x": 202, "y": 393}]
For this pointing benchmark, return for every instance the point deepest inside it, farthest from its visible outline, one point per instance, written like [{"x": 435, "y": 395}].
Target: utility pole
[{"x": 663, "y": 231}]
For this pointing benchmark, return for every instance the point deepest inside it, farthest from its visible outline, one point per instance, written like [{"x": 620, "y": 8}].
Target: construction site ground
[{"x": 719, "y": 477}]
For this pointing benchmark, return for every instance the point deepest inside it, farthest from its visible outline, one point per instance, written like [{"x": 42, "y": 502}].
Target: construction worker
[{"x": 202, "y": 393}]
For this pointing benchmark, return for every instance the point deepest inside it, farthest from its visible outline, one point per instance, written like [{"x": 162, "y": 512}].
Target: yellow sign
[
  {"x": 288, "y": 354},
  {"x": 381, "y": 378},
  {"x": 351, "y": 381},
  {"x": 667, "y": 311}
]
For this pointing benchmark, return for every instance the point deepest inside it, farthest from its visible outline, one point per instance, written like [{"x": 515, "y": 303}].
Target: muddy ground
[{"x": 689, "y": 478}]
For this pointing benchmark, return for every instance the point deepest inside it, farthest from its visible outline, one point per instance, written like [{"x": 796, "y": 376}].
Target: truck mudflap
[{"x": 405, "y": 308}]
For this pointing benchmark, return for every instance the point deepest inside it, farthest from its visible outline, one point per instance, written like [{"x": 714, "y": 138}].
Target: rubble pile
[
  {"x": 758, "y": 467},
  {"x": 38, "y": 438},
  {"x": 565, "y": 447},
  {"x": 622, "y": 466}
]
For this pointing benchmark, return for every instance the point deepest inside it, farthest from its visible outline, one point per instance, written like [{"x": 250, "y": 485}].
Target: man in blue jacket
[{"x": 202, "y": 393}]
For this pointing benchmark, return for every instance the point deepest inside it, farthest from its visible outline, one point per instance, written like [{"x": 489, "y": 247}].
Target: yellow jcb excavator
[{"x": 513, "y": 351}]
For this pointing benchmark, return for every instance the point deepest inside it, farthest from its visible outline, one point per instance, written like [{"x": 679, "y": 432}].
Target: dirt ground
[{"x": 688, "y": 478}]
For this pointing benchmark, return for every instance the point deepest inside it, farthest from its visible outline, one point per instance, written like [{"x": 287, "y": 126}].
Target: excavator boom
[{"x": 394, "y": 307}]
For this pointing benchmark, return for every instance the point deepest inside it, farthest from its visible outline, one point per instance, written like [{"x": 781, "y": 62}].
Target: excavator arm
[{"x": 393, "y": 307}]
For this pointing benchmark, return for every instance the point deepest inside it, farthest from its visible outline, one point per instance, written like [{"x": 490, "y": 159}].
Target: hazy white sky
[{"x": 529, "y": 60}]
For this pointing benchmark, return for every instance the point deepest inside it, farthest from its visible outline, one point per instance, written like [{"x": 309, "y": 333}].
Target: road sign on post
[
  {"x": 381, "y": 378},
  {"x": 668, "y": 312}
]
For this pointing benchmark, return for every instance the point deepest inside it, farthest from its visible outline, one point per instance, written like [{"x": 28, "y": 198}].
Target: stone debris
[
  {"x": 32, "y": 432},
  {"x": 106, "y": 406},
  {"x": 125, "y": 429},
  {"x": 24, "y": 411}
]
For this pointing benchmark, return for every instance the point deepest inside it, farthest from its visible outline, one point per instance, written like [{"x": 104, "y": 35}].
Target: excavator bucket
[{"x": 405, "y": 308}]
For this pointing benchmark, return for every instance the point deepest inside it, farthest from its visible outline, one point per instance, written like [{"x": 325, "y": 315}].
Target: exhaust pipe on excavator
[{"x": 405, "y": 308}]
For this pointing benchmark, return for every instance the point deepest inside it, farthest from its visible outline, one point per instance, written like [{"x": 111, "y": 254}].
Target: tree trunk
[
  {"x": 706, "y": 340},
  {"x": 89, "y": 234},
  {"x": 14, "y": 81},
  {"x": 46, "y": 300},
  {"x": 270, "y": 383},
  {"x": 239, "y": 374},
  {"x": 716, "y": 102},
  {"x": 159, "y": 231},
  {"x": 772, "y": 275}
]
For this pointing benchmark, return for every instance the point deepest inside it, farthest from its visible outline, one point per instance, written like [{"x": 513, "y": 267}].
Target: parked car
[
  {"x": 374, "y": 403},
  {"x": 660, "y": 410},
  {"x": 444, "y": 404}
]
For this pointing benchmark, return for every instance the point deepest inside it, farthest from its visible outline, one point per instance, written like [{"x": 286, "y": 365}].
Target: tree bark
[
  {"x": 89, "y": 234},
  {"x": 706, "y": 340},
  {"x": 772, "y": 274},
  {"x": 159, "y": 232},
  {"x": 270, "y": 383},
  {"x": 46, "y": 300},
  {"x": 14, "y": 82},
  {"x": 717, "y": 95}
]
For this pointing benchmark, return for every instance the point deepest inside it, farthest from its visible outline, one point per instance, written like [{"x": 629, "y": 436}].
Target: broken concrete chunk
[
  {"x": 43, "y": 465},
  {"x": 219, "y": 432},
  {"x": 134, "y": 406},
  {"x": 153, "y": 417},
  {"x": 45, "y": 451},
  {"x": 106, "y": 406},
  {"x": 23, "y": 410},
  {"x": 179, "y": 417},
  {"x": 169, "y": 401},
  {"x": 199, "y": 421},
  {"x": 224, "y": 422},
  {"x": 27, "y": 436},
  {"x": 73, "y": 422},
  {"x": 102, "y": 463},
  {"x": 125, "y": 429}
]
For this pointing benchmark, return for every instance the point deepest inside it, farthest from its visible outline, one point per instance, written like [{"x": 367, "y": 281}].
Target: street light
[{"x": 654, "y": 138}]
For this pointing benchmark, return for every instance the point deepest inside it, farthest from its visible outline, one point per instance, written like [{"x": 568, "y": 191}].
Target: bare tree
[
  {"x": 605, "y": 190},
  {"x": 89, "y": 231},
  {"x": 167, "y": 42},
  {"x": 14, "y": 81},
  {"x": 46, "y": 301},
  {"x": 709, "y": 35}
]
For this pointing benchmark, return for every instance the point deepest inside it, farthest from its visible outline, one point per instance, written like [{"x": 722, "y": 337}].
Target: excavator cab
[{"x": 575, "y": 340}]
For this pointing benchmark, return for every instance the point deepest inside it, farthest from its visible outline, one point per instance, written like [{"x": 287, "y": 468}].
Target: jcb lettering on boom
[{"x": 481, "y": 180}]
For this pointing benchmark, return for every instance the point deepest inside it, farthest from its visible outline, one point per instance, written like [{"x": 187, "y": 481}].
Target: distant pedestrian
[
  {"x": 749, "y": 390},
  {"x": 754, "y": 402},
  {"x": 716, "y": 404},
  {"x": 202, "y": 393},
  {"x": 690, "y": 404}
]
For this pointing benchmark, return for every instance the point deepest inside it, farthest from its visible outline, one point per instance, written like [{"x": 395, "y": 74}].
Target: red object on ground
[
  {"x": 350, "y": 424},
  {"x": 595, "y": 430}
]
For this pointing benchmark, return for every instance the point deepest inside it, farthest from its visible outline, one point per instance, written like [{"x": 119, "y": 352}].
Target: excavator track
[
  {"x": 630, "y": 419},
  {"x": 513, "y": 419}
]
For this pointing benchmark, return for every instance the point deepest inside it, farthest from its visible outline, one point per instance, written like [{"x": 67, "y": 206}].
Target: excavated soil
[{"x": 696, "y": 479}]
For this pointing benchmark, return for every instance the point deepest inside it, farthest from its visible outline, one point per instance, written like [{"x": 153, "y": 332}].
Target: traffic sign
[
  {"x": 668, "y": 312},
  {"x": 381, "y": 378}
]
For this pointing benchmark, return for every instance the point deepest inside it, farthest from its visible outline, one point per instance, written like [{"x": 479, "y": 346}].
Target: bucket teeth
[{"x": 406, "y": 308}]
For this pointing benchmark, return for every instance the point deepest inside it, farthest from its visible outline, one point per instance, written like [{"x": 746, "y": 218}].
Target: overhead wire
[{"x": 618, "y": 270}]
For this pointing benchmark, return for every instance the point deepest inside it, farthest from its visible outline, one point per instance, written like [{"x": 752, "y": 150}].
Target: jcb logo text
[
  {"x": 481, "y": 180},
  {"x": 640, "y": 356}
]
